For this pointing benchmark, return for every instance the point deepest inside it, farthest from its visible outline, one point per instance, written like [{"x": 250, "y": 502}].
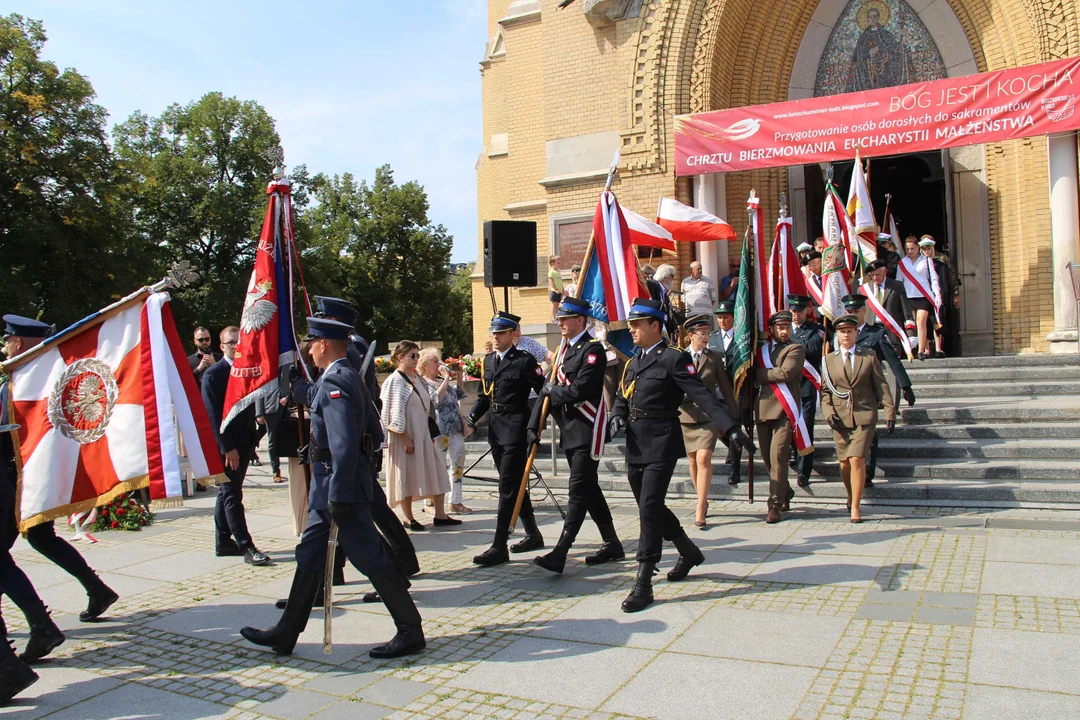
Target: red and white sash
[
  {"x": 911, "y": 277},
  {"x": 883, "y": 315},
  {"x": 594, "y": 414},
  {"x": 811, "y": 373},
  {"x": 813, "y": 287},
  {"x": 792, "y": 407}
]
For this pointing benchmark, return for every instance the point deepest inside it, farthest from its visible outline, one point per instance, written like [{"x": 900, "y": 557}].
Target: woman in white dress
[{"x": 413, "y": 470}]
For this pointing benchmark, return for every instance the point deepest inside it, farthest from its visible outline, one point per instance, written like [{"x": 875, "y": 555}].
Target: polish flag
[
  {"x": 99, "y": 407},
  {"x": 688, "y": 224},
  {"x": 646, "y": 233}
]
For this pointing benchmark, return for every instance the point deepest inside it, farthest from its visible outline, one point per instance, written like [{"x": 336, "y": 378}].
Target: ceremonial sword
[{"x": 331, "y": 550}]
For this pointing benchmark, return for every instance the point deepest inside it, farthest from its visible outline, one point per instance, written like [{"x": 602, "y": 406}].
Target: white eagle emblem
[{"x": 258, "y": 312}]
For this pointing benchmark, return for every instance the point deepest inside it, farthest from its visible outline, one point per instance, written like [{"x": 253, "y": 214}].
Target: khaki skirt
[
  {"x": 854, "y": 443},
  {"x": 700, "y": 436}
]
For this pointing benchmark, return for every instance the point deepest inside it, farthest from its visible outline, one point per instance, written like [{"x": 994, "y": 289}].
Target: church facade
[{"x": 564, "y": 88}]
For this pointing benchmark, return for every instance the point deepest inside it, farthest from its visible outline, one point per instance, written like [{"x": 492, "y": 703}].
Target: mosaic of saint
[{"x": 876, "y": 44}]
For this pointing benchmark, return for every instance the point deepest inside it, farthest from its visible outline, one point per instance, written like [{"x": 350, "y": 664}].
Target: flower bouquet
[{"x": 123, "y": 513}]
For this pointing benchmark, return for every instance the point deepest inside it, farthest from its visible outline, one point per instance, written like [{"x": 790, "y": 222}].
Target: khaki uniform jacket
[
  {"x": 867, "y": 387},
  {"x": 713, "y": 375},
  {"x": 787, "y": 368}
]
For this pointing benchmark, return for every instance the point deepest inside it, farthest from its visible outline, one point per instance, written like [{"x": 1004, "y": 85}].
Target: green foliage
[
  {"x": 124, "y": 513},
  {"x": 64, "y": 234},
  {"x": 197, "y": 190}
]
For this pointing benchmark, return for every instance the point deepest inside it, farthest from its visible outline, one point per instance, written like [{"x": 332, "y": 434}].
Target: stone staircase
[{"x": 1003, "y": 429}]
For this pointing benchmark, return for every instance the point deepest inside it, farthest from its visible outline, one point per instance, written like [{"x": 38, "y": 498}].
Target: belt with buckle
[
  {"x": 641, "y": 414},
  {"x": 506, "y": 408}
]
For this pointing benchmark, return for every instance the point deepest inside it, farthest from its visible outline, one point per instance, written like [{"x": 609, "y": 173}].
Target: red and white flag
[
  {"x": 615, "y": 258},
  {"x": 100, "y": 405},
  {"x": 762, "y": 299},
  {"x": 785, "y": 273},
  {"x": 688, "y": 224},
  {"x": 646, "y": 233},
  {"x": 834, "y": 269}
]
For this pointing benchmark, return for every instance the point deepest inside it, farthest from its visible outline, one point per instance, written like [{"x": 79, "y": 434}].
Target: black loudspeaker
[{"x": 509, "y": 253}]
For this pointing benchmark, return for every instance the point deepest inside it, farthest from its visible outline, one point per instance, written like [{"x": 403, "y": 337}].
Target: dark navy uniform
[
  {"x": 724, "y": 343},
  {"x": 576, "y": 400},
  {"x": 811, "y": 336},
  {"x": 343, "y": 482},
  {"x": 505, "y": 385},
  {"x": 654, "y": 384}
]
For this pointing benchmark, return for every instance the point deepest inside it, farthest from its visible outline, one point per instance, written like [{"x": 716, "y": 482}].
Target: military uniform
[
  {"x": 577, "y": 404},
  {"x": 505, "y": 385},
  {"x": 811, "y": 336},
  {"x": 343, "y": 481},
  {"x": 654, "y": 385},
  {"x": 723, "y": 342},
  {"x": 775, "y": 433}
]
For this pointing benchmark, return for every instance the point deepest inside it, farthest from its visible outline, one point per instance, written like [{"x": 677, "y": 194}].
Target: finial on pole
[
  {"x": 276, "y": 156},
  {"x": 181, "y": 274},
  {"x": 612, "y": 170},
  {"x": 783, "y": 205},
  {"x": 829, "y": 173}
]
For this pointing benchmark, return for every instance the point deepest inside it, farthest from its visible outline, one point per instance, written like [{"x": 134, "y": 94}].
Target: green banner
[{"x": 745, "y": 329}]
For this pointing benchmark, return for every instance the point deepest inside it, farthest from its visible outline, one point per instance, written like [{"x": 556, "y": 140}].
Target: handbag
[
  {"x": 432, "y": 426},
  {"x": 291, "y": 437}
]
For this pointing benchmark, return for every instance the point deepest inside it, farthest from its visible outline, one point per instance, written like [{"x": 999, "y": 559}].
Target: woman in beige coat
[
  {"x": 413, "y": 470},
  {"x": 853, "y": 388}
]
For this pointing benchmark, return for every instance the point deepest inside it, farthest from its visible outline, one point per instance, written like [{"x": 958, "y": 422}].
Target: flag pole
[
  {"x": 751, "y": 294},
  {"x": 546, "y": 406}
]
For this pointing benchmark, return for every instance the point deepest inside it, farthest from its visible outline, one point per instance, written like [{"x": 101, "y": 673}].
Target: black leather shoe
[
  {"x": 371, "y": 597},
  {"x": 101, "y": 597},
  {"x": 302, "y": 598},
  {"x": 494, "y": 555},
  {"x": 44, "y": 638},
  {"x": 804, "y": 481},
  {"x": 691, "y": 559},
  {"x": 529, "y": 542},
  {"x": 407, "y": 641},
  {"x": 641, "y": 596},
  {"x": 229, "y": 549},
  {"x": 252, "y": 556},
  {"x": 609, "y": 551},
  {"x": 869, "y": 482},
  {"x": 554, "y": 561},
  {"x": 733, "y": 477},
  {"x": 15, "y": 676},
  {"x": 443, "y": 522},
  {"x": 339, "y": 577}
]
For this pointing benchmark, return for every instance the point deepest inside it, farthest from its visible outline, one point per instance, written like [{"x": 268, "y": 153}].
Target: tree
[
  {"x": 197, "y": 188},
  {"x": 64, "y": 235},
  {"x": 375, "y": 245}
]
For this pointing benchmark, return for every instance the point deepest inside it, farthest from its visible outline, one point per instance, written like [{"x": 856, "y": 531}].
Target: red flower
[
  {"x": 119, "y": 511},
  {"x": 114, "y": 525}
]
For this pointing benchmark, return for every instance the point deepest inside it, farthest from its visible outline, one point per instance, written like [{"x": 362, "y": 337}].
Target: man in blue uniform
[
  {"x": 508, "y": 376},
  {"x": 236, "y": 443},
  {"x": 22, "y": 334},
  {"x": 342, "y": 489},
  {"x": 875, "y": 338},
  {"x": 576, "y": 400},
  {"x": 811, "y": 336},
  {"x": 723, "y": 341},
  {"x": 654, "y": 385}
]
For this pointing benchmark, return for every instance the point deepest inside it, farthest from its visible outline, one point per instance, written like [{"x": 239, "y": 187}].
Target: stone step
[
  {"x": 1036, "y": 373},
  {"x": 989, "y": 411},
  {"x": 995, "y": 388},
  {"x": 999, "y": 361}
]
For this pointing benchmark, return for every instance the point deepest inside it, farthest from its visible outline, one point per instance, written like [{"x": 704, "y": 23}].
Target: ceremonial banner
[
  {"x": 785, "y": 276},
  {"x": 96, "y": 404},
  {"x": 860, "y": 210},
  {"x": 760, "y": 265},
  {"x": 743, "y": 336},
  {"x": 688, "y": 224},
  {"x": 985, "y": 108},
  {"x": 267, "y": 337},
  {"x": 646, "y": 233},
  {"x": 834, "y": 269}
]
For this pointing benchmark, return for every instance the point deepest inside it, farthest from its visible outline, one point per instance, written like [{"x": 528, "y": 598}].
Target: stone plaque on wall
[{"x": 571, "y": 240}]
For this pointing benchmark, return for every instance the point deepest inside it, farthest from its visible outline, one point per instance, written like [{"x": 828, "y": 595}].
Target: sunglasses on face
[{"x": 413, "y": 356}]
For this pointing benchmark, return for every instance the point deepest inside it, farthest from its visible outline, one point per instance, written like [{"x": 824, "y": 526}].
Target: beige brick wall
[{"x": 561, "y": 77}]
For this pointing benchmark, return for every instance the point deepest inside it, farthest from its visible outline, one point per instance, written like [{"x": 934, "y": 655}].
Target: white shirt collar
[
  {"x": 654, "y": 347},
  {"x": 861, "y": 327},
  {"x": 229, "y": 360},
  {"x": 582, "y": 334}
]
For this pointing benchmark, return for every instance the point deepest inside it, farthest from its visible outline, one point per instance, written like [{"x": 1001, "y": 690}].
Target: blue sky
[{"x": 352, "y": 85}]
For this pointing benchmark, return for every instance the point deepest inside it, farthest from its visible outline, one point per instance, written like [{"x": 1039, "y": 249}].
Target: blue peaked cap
[
  {"x": 643, "y": 308},
  {"x": 504, "y": 321},
  {"x": 327, "y": 329},
  {"x": 336, "y": 308},
  {"x": 25, "y": 327}
]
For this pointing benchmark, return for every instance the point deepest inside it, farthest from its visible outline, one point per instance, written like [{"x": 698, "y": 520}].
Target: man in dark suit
[
  {"x": 654, "y": 385},
  {"x": 811, "y": 336},
  {"x": 890, "y": 258},
  {"x": 576, "y": 398},
  {"x": 723, "y": 341},
  {"x": 203, "y": 357},
  {"x": 507, "y": 377},
  {"x": 872, "y": 337},
  {"x": 890, "y": 293},
  {"x": 236, "y": 443},
  {"x": 342, "y": 489}
]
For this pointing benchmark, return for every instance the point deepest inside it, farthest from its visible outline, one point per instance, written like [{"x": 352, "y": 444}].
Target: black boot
[
  {"x": 44, "y": 638},
  {"x": 533, "y": 540},
  {"x": 641, "y": 596},
  {"x": 612, "y": 548},
  {"x": 494, "y": 555},
  {"x": 555, "y": 560},
  {"x": 101, "y": 597},
  {"x": 690, "y": 556},
  {"x": 396, "y": 540},
  {"x": 734, "y": 462},
  {"x": 282, "y": 637},
  {"x": 339, "y": 567},
  {"x": 394, "y": 590},
  {"x": 15, "y": 675}
]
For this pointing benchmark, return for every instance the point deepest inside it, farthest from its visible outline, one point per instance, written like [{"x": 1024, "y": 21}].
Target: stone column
[
  {"x": 1065, "y": 231},
  {"x": 705, "y": 199}
]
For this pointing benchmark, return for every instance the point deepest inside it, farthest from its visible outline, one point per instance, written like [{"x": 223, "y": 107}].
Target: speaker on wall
[{"x": 509, "y": 253}]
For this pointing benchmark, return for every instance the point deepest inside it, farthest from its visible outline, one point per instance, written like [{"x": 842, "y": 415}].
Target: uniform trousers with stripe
[
  {"x": 585, "y": 495},
  {"x": 774, "y": 439},
  {"x": 650, "y": 481}
]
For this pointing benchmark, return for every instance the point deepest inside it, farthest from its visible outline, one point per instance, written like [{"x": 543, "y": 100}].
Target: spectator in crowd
[
  {"x": 819, "y": 244},
  {"x": 488, "y": 348},
  {"x": 729, "y": 284},
  {"x": 451, "y": 441},
  {"x": 555, "y": 286},
  {"x": 412, "y": 466},
  {"x": 575, "y": 279},
  {"x": 203, "y": 357},
  {"x": 665, "y": 276},
  {"x": 268, "y": 409},
  {"x": 648, "y": 271},
  {"x": 236, "y": 443},
  {"x": 699, "y": 293},
  {"x": 920, "y": 280},
  {"x": 949, "y": 283},
  {"x": 890, "y": 257},
  {"x": 533, "y": 347}
]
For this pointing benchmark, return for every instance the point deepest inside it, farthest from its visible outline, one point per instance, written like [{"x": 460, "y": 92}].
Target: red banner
[{"x": 988, "y": 107}]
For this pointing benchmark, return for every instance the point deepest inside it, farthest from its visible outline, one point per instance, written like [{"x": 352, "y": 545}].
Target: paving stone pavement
[{"x": 920, "y": 612}]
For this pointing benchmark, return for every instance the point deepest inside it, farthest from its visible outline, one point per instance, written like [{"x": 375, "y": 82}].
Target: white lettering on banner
[
  {"x": 983, "y": 126},
  {"x": 714, "y": 159},
  {"x": 787, "y": 151},
  {"x": 871, "y": 141}
]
